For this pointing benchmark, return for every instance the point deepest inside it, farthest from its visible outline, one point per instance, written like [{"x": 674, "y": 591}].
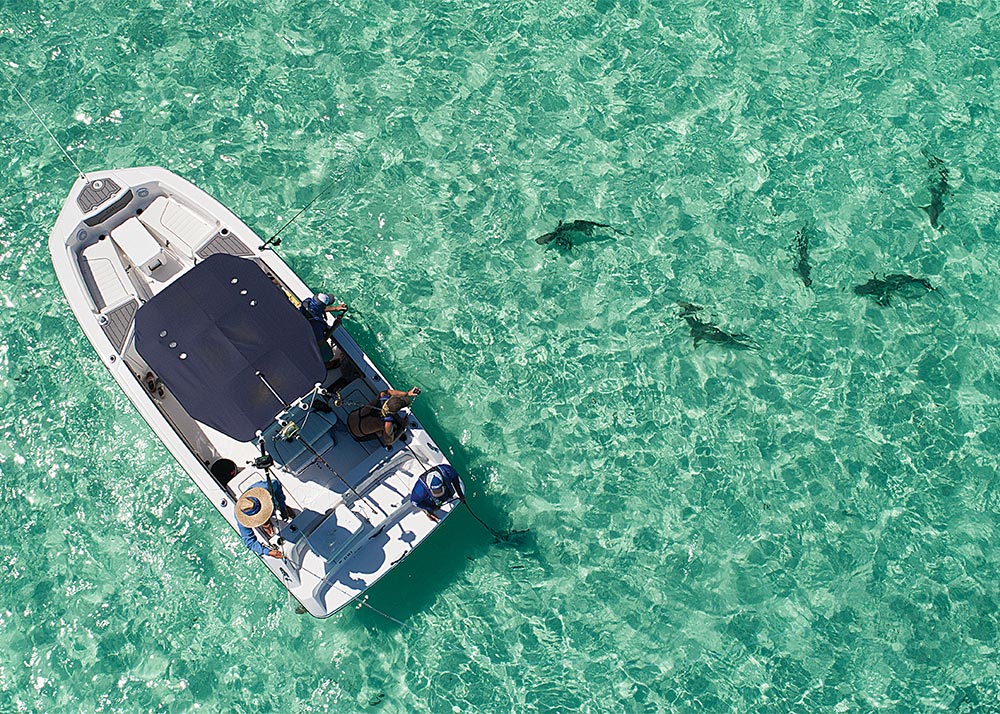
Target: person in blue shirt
[
  {"x": 314, "y": 309},
  {"x": 254, "y": 510},
  {"x": 435, "y": 488}
]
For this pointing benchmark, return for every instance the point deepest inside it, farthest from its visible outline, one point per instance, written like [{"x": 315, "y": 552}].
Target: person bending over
[
  {"x": 435, "y": 488},
  {"x": 314, "y": 309},
  {"x": 380, "y": 417}
]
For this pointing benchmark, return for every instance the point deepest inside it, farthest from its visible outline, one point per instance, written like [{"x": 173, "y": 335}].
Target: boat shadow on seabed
[{"x": 413, "y": 586}]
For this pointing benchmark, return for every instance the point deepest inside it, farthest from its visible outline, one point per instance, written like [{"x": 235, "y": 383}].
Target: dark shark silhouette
[
  {"x": 563, "y": 236},
  {"x": 938, "y": 188},
  {"x": 707, "y": 332},
  {"x": 882, "y": 289},
  {"x": 802, "y": 267}
]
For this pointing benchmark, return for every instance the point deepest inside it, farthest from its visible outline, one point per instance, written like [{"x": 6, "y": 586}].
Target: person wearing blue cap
[
  {"x": 314, "y": 309},
  {"x": 254, "y": 510},
  {"x": 435, "y": 488}
]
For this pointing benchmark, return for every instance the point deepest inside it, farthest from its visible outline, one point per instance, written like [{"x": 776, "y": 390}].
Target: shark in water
[
  {"x": 882, "y": 289},
  {"x": 938, "y": 188},
  {"x": 707, "y": 332},
  {"x": 802, "y": 267},
  {"x": 567, "y": 235}
]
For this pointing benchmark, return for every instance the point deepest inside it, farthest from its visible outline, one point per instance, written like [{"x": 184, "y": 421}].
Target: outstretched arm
[
  {"x": 397, "y": 393},
  {"x": 254, "y": 545}
]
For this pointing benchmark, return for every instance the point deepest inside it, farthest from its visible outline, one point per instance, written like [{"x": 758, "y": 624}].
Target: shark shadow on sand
[
  {"x": 703, "y": 331},
  {"x": 882, "y": 289}
]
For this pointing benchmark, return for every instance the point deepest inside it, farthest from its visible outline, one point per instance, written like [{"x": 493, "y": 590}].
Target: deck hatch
[
  {"x": 109, "y": 211},
  {"x": 96, "y": 192}
]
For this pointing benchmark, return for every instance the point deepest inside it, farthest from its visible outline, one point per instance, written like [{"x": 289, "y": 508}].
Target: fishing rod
[
  {"x": 500, "y": 537},
  {"x": 291, "y": 431},
  {"x": 352, "y": 151},
  {"x": 266, "y": 461},
  {"x": 497, "y": 535},
  {"x": 274, "y": 240},
  {"x": 47, "y": 130}
]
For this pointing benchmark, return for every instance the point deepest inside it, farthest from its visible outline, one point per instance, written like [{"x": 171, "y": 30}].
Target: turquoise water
[{"x": 804, "y": 527}]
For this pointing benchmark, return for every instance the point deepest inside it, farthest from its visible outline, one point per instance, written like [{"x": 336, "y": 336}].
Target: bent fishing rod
[{"x": 499, "y": 536}]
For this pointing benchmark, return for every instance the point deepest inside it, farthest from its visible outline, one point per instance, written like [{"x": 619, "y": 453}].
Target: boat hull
[{"x": 125, "y": 236}]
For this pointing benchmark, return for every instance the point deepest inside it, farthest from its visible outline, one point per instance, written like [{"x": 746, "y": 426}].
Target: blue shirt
[
  {"x": 315, "y": 312},
  {"x": 421, "y": 496},
  {"x": 313, "y": 309},
  {"x": 247, "y": 534}
]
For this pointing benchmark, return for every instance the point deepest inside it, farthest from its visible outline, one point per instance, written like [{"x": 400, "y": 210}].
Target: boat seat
[
  {"x": 177, "y": 225},
  {"x": 292, "y": 454},
  {"x": 105, "y": 276},
  {"x": 139, "y": 246},
  {"x": 336, "y": 534}
]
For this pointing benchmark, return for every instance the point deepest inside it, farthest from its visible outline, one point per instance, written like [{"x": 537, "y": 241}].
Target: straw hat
[{"x": 254, "y": 507}]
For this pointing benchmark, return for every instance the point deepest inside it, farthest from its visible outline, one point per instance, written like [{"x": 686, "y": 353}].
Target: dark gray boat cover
[{"x": 208, "y": 334}]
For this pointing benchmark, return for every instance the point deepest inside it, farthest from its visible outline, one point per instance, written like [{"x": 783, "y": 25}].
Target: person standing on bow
[
  {"x": 314, "y": 309},
  {"x": 254, "y": 510},
  {"x": 435, "y": 488}
]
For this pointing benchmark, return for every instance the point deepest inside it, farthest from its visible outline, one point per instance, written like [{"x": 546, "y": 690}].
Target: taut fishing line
[{"x": 44, "y": 126}]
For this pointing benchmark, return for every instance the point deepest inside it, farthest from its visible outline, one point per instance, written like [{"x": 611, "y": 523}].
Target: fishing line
[
  {"x": 271, "y": 241},
  {"x": 497, "y": 535},
  {"x": 337, "y": 177},
  {"x": 44, "y": 126},
  {"x": 361, "y": 600}
]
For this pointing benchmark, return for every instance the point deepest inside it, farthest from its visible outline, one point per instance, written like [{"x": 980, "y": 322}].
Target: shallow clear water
[{"x": 804, "y": 527}]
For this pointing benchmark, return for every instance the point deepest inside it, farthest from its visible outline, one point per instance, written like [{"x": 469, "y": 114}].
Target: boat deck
[{"x": 351, "y": 519}]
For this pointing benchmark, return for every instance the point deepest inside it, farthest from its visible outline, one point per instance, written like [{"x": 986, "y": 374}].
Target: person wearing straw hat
[
  {"x": 254, "y": 510},
  {"x": 435, "y": 488}
]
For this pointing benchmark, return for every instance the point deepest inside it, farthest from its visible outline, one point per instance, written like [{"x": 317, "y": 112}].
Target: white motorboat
[{"x": 198, "y": 322}]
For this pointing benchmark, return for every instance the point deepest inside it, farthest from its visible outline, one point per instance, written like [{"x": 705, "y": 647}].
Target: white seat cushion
[
  {"x": 178, "y": 225},
  {"x": 105, "y": 275}
]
